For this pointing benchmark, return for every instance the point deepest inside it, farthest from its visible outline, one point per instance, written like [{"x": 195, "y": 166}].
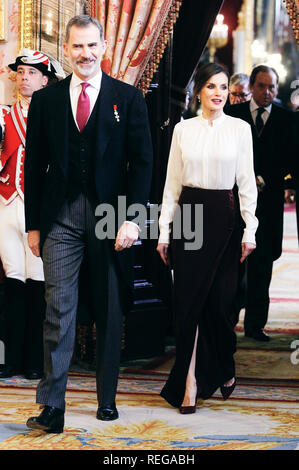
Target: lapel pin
[{"x": 116, "y": 115}]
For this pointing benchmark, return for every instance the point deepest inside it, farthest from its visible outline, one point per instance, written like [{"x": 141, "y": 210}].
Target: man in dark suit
[
  {"x": 88, "y": 142},
  {"x": 272, "y": 139}
]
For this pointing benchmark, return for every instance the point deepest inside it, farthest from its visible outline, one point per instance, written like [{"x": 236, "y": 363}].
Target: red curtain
[
  {"x": 292, "y": 7},
  {"x": 137, "y": 32}
]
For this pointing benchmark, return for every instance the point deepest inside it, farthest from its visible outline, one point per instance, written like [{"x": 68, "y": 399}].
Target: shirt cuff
[
  {"x": 249, "y": 237},
  {"x": 164, "y": 236},
  {"x": 133, "y": 223}
]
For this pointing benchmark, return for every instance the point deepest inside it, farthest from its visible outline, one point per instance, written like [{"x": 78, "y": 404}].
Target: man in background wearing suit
[
  {"x": 239, "y": 92},
  {"x": 272, "y": 138},
  {"x": 88, "y": 142}
]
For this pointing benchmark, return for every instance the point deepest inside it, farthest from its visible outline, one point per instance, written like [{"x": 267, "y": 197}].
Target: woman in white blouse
[{"x": 208, "y": 155}]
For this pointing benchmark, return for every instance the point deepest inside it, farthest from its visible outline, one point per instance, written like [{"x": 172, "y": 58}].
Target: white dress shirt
[
  {"x": 253, "y": 109},
  {"x": 93, "y": 91},
  {"x": 211, "y": 157}
]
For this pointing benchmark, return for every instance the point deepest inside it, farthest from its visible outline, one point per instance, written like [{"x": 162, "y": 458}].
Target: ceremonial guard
[{"x": 24, "y": 278}]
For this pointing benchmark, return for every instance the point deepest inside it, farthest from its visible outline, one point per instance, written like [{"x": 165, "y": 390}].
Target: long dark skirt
[{"x": 205, "y": 282}]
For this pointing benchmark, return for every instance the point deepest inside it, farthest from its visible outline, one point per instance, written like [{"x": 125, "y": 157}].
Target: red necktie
[{"x": 83, "y": 107}]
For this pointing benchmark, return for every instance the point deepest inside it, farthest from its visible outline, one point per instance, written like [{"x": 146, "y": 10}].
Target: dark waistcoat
[{"x": 81, "y": 159}]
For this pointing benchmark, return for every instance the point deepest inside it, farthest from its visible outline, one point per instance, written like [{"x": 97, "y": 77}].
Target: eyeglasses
[{"x": 239, "y": 95}]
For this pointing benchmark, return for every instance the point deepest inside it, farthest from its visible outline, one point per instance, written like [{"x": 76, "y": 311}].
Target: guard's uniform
[
  {"x": 24, "y": 287},
  {"x": 17, "y": 258},
  {"x": 24, "y": 307}
]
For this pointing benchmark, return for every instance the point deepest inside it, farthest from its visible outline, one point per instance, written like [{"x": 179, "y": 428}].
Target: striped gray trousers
[{"x": 70, "y": 239}]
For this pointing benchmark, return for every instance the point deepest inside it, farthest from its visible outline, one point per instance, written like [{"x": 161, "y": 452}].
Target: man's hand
[
  {"x": 34, "y": 242},
  {"x": 126, "y": 236},
  {"x": 247, "y": 248},
  {"x": 290, "y": 196},
  {"x": 162, "y": 249},
  {"x": 260, "y": 183}
]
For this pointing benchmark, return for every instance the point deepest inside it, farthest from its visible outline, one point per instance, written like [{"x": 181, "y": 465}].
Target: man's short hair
[
  {"x": 239, "y": 79},
  {"x": 83, "y": 21},
  {"x": 263, "y": 69}
]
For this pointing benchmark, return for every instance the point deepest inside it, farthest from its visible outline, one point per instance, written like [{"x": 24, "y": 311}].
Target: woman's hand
[
  {"x": 162, "y": 249},
  {"x": 247, "y": 248}
]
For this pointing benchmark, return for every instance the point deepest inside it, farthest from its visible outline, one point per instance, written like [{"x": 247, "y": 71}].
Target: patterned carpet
[
  {"x": 150, "y": 385},
  {"x": 262, "y": 414},
  {"x": 147, "y": 422}
]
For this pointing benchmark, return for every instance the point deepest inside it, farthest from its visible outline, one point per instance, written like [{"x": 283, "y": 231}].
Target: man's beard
[{"x": 94, "y": 66}]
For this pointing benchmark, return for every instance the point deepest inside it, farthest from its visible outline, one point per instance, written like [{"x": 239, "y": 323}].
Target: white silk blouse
[{"x": 211, "y": 157}]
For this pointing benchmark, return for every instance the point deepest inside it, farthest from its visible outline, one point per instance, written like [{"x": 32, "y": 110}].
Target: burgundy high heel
[
  {"x": 227, "y": 391},
  {"x": 187, "y": 410}
]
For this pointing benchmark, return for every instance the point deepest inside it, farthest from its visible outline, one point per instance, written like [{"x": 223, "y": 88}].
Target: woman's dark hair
[{"x": 202, "y": 75}]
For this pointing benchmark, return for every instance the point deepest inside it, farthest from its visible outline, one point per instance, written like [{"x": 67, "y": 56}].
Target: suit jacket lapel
[
  {"x": 270, "y": 121},
  {"x": 249, "y": 116},
  {"x": 105, "y": 120},
  {"x": 62, "y": 109}
]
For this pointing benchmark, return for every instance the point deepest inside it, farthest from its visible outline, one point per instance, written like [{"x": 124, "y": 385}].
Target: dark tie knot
[{"x": 259, "y": 123}]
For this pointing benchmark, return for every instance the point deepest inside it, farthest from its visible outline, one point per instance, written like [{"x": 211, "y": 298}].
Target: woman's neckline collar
[{"x": 214, "y": 122}]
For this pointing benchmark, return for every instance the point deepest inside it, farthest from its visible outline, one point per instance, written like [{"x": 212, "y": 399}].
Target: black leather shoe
[
  {"x": 9, "y": 371},
  {"x": 258, "y": 335},
  {"x": 33, "y": 374},
  {"x": 107, "y": 412},
  {"x": 227, "y": 391},
  {"x": 50, "y": 420}
]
